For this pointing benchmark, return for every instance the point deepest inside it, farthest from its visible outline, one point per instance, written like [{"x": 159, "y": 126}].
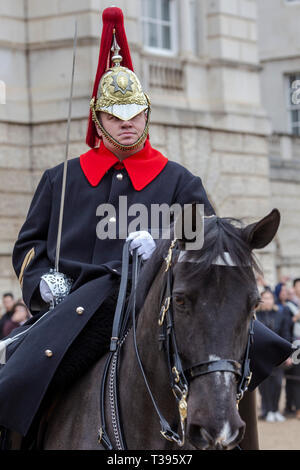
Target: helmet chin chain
[{"x": 111, "y": 139}]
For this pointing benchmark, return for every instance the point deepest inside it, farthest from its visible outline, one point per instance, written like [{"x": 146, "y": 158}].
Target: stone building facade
[
  {"x": 279, "y": 54},
  {"x": 206, "y": 70}
]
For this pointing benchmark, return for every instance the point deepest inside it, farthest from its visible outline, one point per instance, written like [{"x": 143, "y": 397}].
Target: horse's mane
[{"x": 220, "y": 235}]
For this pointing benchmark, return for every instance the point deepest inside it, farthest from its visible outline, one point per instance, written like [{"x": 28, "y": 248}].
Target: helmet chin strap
[{"x": 113, "y": 141}]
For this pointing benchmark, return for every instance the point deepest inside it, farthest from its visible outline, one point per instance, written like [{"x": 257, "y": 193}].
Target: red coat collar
[{"x": 142, "y": 167}]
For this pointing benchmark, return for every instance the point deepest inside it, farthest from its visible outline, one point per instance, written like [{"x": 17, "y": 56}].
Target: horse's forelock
[{"x": 223, "y": 241}]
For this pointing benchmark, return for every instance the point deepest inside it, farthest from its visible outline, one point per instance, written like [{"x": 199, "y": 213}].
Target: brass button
[
  {"x": 48, "y": 353},
  {"x": 119, "y": 176},
  {"x": 112, "y": 219},
  {"x": 79, "y": 310}
]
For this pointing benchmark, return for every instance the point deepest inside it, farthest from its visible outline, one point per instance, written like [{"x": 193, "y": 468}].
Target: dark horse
[{"x": 213, "y": 299}]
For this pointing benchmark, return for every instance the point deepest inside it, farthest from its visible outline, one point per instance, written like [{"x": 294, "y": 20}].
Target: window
[
  {"x": 294, "y": 103},
  {"x": 158, "y": 20}
]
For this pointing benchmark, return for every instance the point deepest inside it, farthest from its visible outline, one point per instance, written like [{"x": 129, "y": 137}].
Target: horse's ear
[
  {"x": 261, "y": 233},
  {"x": 188, "y": 226}
]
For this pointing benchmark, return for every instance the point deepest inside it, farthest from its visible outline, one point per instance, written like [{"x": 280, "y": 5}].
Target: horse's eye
[{"x": 179, "y": 300}]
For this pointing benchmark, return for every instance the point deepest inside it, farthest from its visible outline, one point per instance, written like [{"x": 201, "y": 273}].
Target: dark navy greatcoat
[{"x": 93, "y": 264}]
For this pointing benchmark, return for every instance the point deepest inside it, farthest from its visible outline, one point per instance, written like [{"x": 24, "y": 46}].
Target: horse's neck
[{"x": 135, "y": 399}]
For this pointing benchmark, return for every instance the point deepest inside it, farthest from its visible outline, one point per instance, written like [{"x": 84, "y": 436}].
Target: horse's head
[{"x": 214, "y": 296}]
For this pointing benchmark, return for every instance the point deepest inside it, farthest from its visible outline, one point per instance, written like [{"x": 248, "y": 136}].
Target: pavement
[{"x": 279, "y": 436}]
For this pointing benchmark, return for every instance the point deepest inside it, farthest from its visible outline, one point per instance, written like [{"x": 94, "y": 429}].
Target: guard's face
[{"x": 125, "y": 132}]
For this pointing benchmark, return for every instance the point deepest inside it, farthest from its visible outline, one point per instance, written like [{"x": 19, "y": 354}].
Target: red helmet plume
[{"x": 113, "y": 19}]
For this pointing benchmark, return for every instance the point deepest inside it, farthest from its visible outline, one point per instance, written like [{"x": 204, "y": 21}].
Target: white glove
[
  {"x": 144, "y": 243},
  {"x": 46, "y": 292},
  {"x": 55, "y": 286}
]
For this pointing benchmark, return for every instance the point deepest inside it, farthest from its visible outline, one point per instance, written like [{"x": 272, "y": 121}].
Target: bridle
[{"x": 179, "y": 377}]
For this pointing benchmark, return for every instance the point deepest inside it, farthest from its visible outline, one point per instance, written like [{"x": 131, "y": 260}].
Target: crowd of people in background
[
  {"x": 13, "y": 314},
  {"x": 279, "y": 310}
]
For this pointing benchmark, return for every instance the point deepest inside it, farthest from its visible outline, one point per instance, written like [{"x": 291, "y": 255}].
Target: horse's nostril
[
  {"x": 202, "y": 439},
  {"x": 230, "y": 442}
]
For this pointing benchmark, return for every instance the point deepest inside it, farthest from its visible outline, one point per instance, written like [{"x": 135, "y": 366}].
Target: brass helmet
[{"x": 120, "y": 94}]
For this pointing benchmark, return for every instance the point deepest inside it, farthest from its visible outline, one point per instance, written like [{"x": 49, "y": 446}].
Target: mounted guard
[{"x": 69, "y": 272}]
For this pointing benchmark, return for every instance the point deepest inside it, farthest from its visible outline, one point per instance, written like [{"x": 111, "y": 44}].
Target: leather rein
[{"x": 179, "y": 378}]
